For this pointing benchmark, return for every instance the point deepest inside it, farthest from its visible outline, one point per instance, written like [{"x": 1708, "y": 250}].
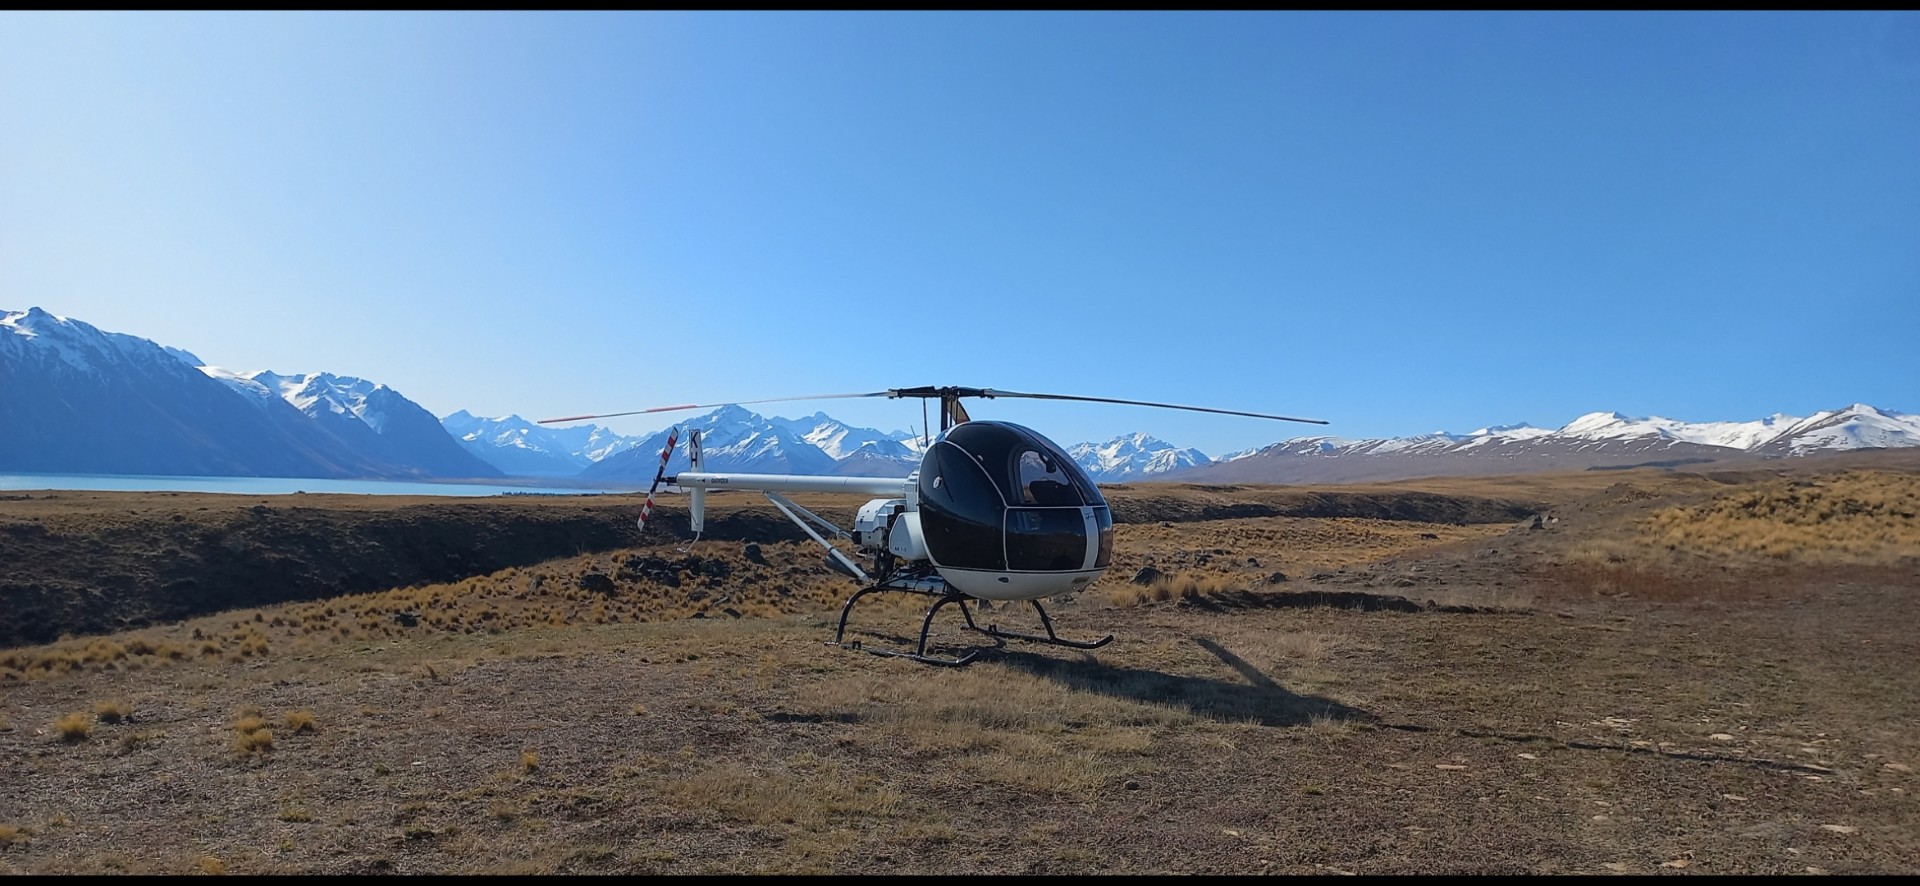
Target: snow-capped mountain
[
  {"x": 732, "y": 439},
  {"x": 736, "y": 439},
  {"x": 1594, "y": 440},
  {"x": 77, "y": 399},
  {"x": 367, "y": 416},
  {"x": 839, "y": 440},
  {"x": 80, "y": 400},
  {"x": 1856, "y": 427},
  {"x": 523, "y": 448},
  {"x": 1134, "y": 457}
]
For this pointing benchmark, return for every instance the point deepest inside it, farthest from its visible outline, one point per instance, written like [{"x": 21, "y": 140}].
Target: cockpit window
[
  {"x": 1002, "y": 449},
  {"x": 993, "y": 446},
  {"x": 1042, "y": 482}
]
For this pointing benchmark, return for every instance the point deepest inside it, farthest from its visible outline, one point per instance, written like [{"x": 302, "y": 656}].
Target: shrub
[
  {"x": 259, "y": 741},
  {"x": 301, "y": 721},
  {"x": 112, "y": 711},
  {"x": 74, "y": 727},
  {"x": 253, "y": 736}
]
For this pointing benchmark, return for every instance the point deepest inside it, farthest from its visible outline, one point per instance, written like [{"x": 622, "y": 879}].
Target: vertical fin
[{"x": 697, "y": 496}]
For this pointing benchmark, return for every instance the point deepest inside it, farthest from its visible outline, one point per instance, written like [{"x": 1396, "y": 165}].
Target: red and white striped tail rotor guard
[{"x": 646, "y": 510}]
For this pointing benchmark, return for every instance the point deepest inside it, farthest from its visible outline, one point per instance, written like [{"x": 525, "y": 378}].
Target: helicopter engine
[{"x": 885, "y": 525}]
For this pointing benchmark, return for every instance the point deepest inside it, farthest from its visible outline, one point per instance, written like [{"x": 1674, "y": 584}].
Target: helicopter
[{"x": 996, "y": 513}]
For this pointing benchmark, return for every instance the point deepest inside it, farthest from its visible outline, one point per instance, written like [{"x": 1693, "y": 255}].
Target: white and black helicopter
[{"x": 995, "y": 512}]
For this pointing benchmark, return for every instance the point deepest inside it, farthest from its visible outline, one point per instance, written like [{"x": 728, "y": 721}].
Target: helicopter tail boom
[{"x": 892, "y": 487}]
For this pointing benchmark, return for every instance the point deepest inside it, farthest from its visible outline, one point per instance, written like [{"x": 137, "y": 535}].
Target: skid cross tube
[
  {"x": 944, "y": 596},
  {"x": 1051, "y": 638}
]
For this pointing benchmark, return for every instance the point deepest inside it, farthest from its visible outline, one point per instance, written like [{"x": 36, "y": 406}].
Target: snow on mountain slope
[
  {"x": 76, "y": 399},
  {"x": 367, "y": 416},
  {"x": 1594, "y": 440},
  {"x": 1133, "y": 457},
  {"x": 520, "y": 447},
  {"x": 839, "y": 440},
  {"x": 1856, "y": 427},
  {"x": 732, "y": 439}
]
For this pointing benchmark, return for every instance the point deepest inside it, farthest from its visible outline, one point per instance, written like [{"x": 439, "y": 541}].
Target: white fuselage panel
[{"x": 1017, "y": 585}]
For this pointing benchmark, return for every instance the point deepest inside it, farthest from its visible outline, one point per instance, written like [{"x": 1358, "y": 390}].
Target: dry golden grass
[
  {"x": 619, "y": 587},
  {"x": 76, "y": 726},
  {"x": 301, "y": 721},
  {"x": 1208, "y": 739},
  {"x": 1179, "y": 586},
  {"x": 1297, "y": 547},
  {"x": 1858, "y": 517},
  {"x": 251, "y": 735},
  {"x": 112, "y": 711},
  {"x": 809, "y": 793}
]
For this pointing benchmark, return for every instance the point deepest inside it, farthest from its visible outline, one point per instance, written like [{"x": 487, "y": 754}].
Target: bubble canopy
[{"x": 998, "y": 497}]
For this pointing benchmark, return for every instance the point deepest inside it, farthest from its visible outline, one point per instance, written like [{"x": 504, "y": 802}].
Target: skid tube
[{"x": 948, "y": 595}]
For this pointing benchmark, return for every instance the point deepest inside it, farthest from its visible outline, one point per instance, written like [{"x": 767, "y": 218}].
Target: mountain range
[
  {"x": 739, "y": 440},
  {"x": 76, "y": 399},
  {"x": 1597, "y": 440}
]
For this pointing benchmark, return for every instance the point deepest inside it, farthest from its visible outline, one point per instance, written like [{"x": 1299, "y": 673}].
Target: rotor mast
[{"x": 951, "y": 412}]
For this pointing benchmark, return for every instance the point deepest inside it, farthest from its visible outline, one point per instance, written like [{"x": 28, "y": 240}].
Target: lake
[{"x": 277, "y": 485}]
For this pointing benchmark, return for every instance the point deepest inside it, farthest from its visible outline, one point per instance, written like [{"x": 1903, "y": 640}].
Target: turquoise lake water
[{"x": 277, "y": 485}]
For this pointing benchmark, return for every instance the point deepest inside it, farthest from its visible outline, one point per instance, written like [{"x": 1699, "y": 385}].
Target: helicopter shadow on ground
[{"x": 1258, "y": 700}]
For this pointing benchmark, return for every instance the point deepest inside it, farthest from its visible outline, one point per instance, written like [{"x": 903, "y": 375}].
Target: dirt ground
[{"x": 1290, "y": 690}]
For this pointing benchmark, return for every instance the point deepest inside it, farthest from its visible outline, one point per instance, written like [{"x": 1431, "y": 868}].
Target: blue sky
[{"x": 1395, "y": 221}]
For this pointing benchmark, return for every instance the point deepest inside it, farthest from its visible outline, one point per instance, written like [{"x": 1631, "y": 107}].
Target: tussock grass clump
[
  {"x": 76, "y": 726},
  {"x": 251, "y": 735},
  {"x": 103, "y": 652},
  {"x": 1179, "y": 586},
  {"x": 1859, "y": 517},
  {"x": 301, "y": 721},
  {"x": 113, "y": 711},
  {"x": 259, "y": 741}
]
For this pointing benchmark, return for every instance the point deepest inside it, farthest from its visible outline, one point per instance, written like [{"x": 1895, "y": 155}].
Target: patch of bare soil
[{"x": 1408, "y": 697}]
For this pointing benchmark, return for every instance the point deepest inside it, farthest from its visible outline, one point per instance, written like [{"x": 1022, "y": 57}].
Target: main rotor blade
[
  {"x": 548, "y": 421},
  {"x": 998, "y": 393}
]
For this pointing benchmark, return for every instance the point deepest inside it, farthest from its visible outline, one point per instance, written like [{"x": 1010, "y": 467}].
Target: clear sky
[{"x": 1399, "y": 222}]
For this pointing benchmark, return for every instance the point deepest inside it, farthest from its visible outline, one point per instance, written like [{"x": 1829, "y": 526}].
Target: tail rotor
[{"x": 673, "y": 436}]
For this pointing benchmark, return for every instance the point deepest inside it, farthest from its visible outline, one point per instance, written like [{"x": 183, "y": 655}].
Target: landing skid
[{"x": 944, "y": 595}]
